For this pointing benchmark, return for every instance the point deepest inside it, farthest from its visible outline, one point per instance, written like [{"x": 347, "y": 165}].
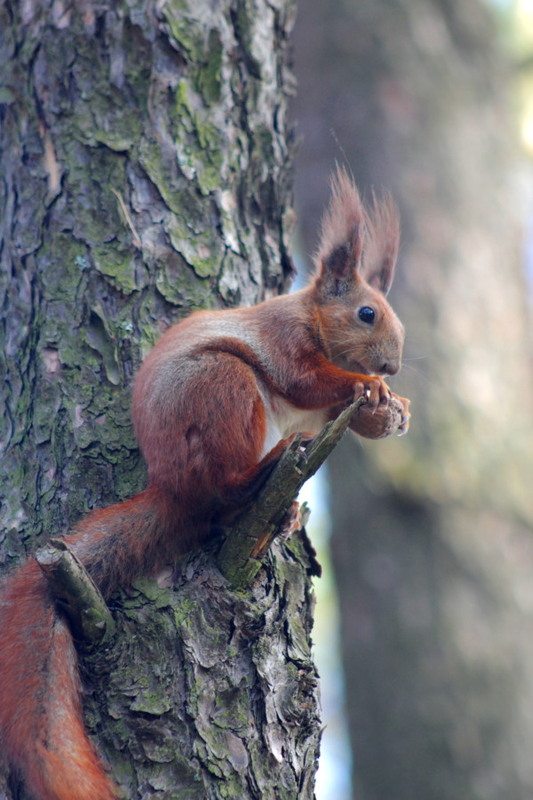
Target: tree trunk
[
  {"x": 434, "y": 587},
  {"x": 145, "y": 157}
]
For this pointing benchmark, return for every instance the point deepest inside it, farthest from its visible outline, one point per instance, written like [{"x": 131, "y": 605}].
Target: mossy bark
[
  {"x": 132, "y": 192},
  {"x": 227, "y": 707},
  {"x": 145, "y": 160}
]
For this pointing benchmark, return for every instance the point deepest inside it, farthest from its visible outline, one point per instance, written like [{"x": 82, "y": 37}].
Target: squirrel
[{"x": 215, "y": 403}]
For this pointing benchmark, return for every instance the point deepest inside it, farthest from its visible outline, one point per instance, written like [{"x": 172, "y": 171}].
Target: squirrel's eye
[{"x": 367, "y": 314}]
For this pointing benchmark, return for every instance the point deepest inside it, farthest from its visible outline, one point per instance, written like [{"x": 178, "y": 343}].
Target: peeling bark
[{"x": 229, "y": 709}]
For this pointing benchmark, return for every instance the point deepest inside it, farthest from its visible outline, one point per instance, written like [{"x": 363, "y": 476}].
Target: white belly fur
[{"x": 284, "y": 419}]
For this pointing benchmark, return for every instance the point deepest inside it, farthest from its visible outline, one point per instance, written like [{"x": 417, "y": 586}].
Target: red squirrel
[{"x": 214, "y": 405}]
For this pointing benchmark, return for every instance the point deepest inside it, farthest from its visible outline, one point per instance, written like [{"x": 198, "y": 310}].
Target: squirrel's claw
[{"x": 374, "y": 390}]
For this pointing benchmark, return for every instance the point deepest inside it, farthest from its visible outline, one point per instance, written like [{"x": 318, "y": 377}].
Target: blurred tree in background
[{"x": 432, "y": 534}]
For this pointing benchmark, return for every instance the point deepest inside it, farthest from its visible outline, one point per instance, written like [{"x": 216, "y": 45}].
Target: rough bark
[
  {"x": 435, "y": 595},
  {"x": 144, "y": 167},
  {"x": 228, "y": 707},
  {"x": 145, "y": 158}
]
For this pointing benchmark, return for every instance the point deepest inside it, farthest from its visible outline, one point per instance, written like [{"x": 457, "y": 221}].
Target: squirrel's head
[{"x": 355, "y": 262}]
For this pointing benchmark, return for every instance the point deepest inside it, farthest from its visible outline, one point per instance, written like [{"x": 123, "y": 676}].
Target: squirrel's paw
[
  {"x": 374, "y": 389},
  {"x": 406, "y": 415},
  {"x": 385, "y": 420}
]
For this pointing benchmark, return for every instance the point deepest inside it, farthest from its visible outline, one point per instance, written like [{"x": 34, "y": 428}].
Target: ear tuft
[
  {"x": 381, "y": 250},
  {"x": 342, "y": 230},
  {"x": 353, "y": 238}
]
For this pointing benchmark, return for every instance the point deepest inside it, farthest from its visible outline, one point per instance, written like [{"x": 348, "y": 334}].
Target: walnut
[{"x": 384, "y": 420}]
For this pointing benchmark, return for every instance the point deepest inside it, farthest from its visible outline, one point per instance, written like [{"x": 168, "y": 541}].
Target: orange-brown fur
[{"x": 214, "y": 405}]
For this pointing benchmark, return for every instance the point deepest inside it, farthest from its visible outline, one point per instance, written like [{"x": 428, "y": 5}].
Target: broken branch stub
[{"x": 256, "y": 528}]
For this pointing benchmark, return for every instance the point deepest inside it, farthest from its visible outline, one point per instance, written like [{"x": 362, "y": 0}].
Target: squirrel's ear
[
  {"x": 381, "y": 250},
  {"x": 342, "y": 236}
]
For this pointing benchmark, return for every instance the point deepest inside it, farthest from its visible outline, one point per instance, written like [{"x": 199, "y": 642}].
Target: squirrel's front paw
[
  {"x": 386, "y": 419},
  {"x": 374, "y": 390}
]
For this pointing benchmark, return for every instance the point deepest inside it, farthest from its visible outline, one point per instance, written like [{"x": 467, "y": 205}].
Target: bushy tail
[
  {"x": 41, "y": 726},
  {"x": 42, "y": 736}
]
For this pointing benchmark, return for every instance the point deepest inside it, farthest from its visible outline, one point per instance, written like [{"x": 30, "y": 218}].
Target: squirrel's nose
[{"x": 390, "y": 367}]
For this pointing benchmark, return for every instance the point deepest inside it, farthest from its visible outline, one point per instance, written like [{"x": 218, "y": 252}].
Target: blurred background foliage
[{"x": 431, "y": 542}]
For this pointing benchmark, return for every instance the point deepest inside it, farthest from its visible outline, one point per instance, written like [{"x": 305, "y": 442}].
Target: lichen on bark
[
  {"x": 234, "y": 685},
  {"x": 136, "y": 185}
]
